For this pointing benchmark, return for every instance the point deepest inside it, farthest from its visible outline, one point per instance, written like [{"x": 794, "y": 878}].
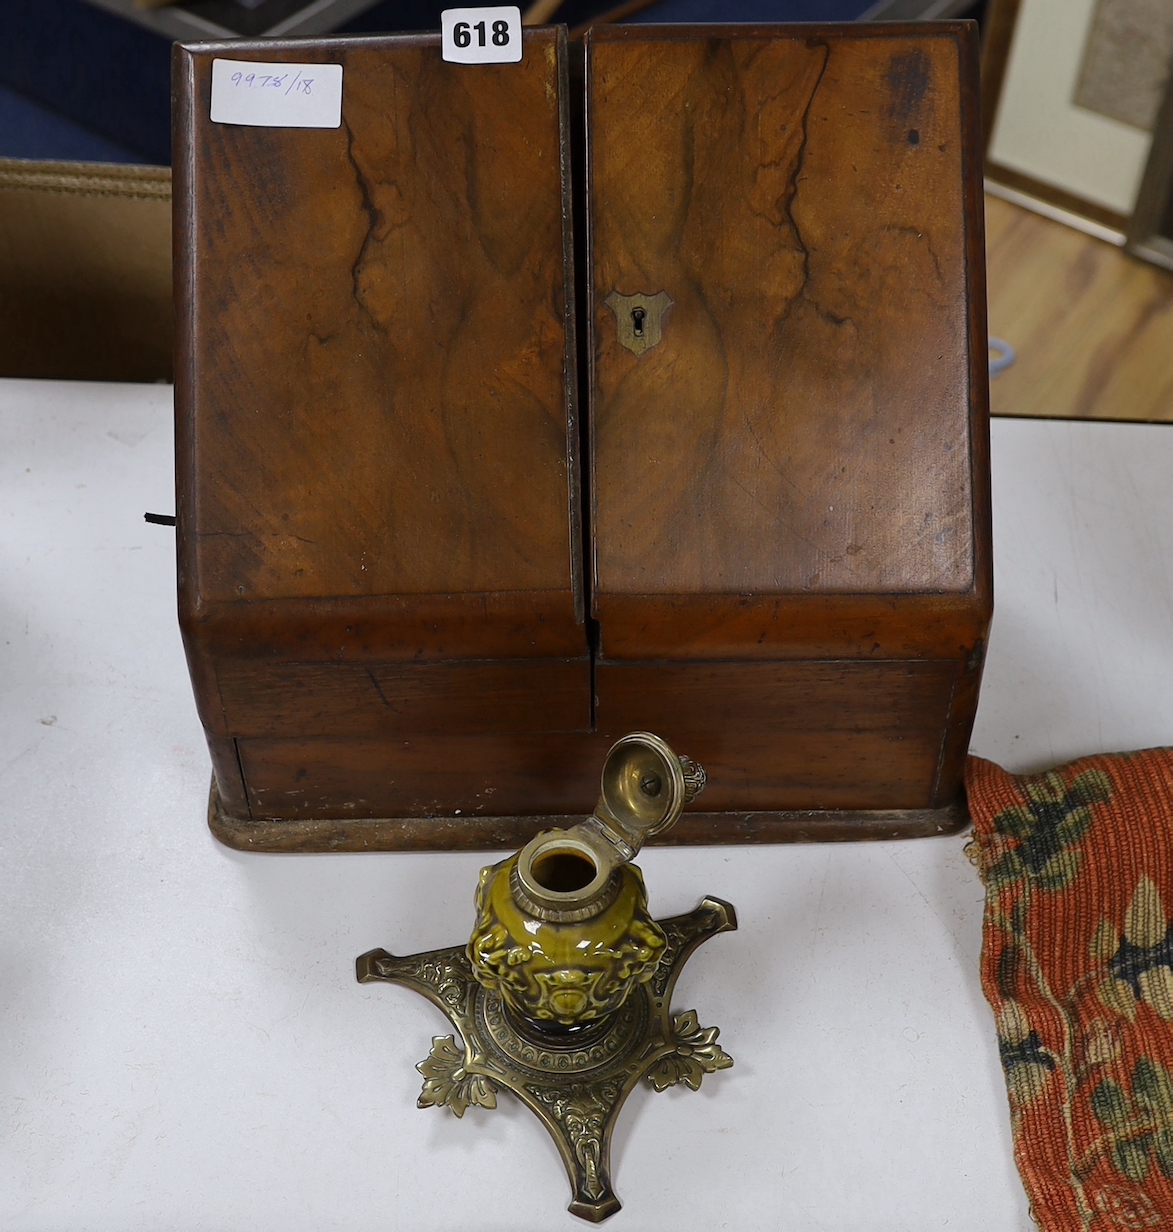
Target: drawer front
[
  {"x": 298, "y": 700},
  {"x": 798, "y": 735},
  {"x": 447, "y": 777}
]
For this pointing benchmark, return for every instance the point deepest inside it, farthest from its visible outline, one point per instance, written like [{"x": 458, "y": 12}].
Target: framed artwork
[
  {"x": 1150, "y": 230},
  {"x": 1071, "y": 91}
]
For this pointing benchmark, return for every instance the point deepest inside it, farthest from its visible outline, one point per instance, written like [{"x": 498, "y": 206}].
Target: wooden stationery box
[
  {"x": 790, "y": 488},
  {"x": 410, "y": 619}
]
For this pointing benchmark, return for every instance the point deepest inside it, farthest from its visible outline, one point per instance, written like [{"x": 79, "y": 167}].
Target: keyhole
[{"x": 637, "y": 321}]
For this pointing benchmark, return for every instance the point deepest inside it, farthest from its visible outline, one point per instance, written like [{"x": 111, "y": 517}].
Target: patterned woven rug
[{"x": 1077, "y": 962}]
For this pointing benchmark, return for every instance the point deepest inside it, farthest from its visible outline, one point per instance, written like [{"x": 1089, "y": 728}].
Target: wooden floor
[{"x": 1093, "y": 327}]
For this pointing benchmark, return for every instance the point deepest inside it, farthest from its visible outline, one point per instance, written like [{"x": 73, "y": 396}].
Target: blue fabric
[
  {"x": 425, "y": 14},
  {"x": 28, "y": 130},
  {"x": 80, "y": 83},
  {"x": 108, "y": 75},
  {"x": 751, "y": 10}
]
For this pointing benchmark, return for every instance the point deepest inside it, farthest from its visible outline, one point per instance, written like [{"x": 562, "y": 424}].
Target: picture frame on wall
[
  {"x": 1070, "y": 94},
  {"x": 1150, "y": 230}
]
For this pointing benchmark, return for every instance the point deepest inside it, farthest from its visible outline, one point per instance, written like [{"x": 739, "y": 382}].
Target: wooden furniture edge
[
  {"x": 996, "y": 41},
  {"x": 1143, "y": 237},
  {"x": 494, "y": 833}
]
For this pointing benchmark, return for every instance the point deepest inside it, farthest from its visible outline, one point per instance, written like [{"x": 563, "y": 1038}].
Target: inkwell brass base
[
  {"x": 574, "y": 1080},
  {"x": 563, "y": 994}
]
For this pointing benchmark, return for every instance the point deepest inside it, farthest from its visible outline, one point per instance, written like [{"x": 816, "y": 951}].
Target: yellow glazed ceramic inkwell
[{"x": 563, "y": 993}]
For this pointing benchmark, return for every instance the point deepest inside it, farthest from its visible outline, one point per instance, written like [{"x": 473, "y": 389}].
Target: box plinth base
[{"x": 478, "y": 833}]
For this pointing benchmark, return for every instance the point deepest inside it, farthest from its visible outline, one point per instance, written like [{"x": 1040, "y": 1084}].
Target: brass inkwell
[{"x": 563, "y": 993}]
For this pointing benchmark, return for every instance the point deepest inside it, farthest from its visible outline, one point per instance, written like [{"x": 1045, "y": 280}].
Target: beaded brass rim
[
  {"x": 561, "y": 877},
  {"x": 567, "y": 914}
]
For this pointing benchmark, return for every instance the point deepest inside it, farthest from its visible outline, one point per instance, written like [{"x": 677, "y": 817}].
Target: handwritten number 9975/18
[{"x": 266, "y": 81}]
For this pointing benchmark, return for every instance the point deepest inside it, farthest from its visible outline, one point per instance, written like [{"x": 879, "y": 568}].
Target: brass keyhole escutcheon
[{"x": 639, "y": 319}]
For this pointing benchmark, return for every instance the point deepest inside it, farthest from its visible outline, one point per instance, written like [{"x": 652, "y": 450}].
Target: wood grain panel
[
  {"x": 741, "y": 698},
  {"x": 350, "y": 699},
  {"x": 463, "y": 776},
  {"x": 492, "y": 775},
  {"x": 377, "y": 396},
  {"x": 801, "y": 195},
  {"x": 229, "y": 777},
  {"x": 512, "y": 625},
  {"x": 792, "y": 626},
  {"x": 444, "y": 776},
  {"x": 793, "y": 735}
]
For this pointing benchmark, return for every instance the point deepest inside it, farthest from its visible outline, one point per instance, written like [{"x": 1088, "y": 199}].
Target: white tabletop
[{"x": 182, "y": 1042}]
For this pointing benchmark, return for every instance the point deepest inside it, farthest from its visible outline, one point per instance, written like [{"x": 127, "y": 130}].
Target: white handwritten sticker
[
  {"x": 481, "y": 36},
  {"x": 276, "y": 95}
]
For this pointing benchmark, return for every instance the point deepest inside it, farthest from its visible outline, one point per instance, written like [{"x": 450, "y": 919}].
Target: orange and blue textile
[{"x": 1077, "y": 962}]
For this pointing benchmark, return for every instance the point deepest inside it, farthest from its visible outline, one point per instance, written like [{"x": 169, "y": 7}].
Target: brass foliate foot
[{"x": 574, "y": 1081}]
